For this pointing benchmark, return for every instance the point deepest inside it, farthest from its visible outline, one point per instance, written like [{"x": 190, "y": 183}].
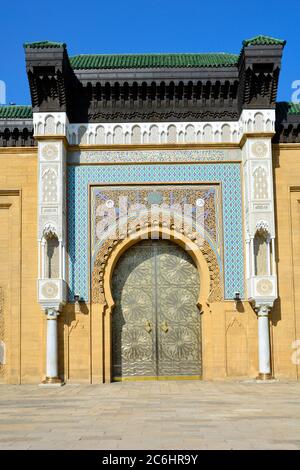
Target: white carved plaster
[
  {"x": 158, "y": 132},
  {"x": 50, "y": 124},
  {"x": 259, "y": 209},
  {"x": 173, "y": 132},
  {"x": 49, "y": 184},
  {"x": 49, "y": 230},
  {"x": 52, "y": 205},
  {"x": 262, "y": 226}
]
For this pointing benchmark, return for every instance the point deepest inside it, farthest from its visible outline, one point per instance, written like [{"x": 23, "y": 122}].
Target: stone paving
[{"x": 152, "y": 415}]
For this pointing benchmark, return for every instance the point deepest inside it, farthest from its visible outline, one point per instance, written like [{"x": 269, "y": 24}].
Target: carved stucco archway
[{"x": 107, "y": 262}]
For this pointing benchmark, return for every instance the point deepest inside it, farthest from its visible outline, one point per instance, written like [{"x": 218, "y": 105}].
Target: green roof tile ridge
[
  {"x": 262, "y": 40},
  {"x": 153, "y": 60},
  {"x": 15, "y": 112},
  {"x": 290, "y": 108},
  {"x": 294, "y": 108},
  {"x": 44, "y": 44}
]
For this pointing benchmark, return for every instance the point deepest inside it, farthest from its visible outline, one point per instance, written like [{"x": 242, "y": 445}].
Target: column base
[
  {"x": 52, "y": 382},
  {"x": 262, "y": 376}
]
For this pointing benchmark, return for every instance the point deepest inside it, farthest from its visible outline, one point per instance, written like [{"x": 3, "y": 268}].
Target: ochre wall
[
  {"x": 286, "y": 313},
  {"x": 24, "y": 322},
  {"x": 229, "y": 340}
]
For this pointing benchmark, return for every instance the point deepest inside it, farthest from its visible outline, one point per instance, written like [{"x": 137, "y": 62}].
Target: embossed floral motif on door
[{"x": 156, "y": 327}]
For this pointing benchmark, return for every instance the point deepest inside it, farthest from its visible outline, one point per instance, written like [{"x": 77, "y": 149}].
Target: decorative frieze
[
  {"x": 179, "y": 132},
  {"x": 152, "y": 133},
  {"x": 154, "y": 156}
]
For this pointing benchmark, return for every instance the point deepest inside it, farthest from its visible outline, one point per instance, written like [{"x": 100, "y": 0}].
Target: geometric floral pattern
[
  {"x": 79, "y": 177},
  {"x": 207, "y": 197},
  {"x": 156, "y": 323}
]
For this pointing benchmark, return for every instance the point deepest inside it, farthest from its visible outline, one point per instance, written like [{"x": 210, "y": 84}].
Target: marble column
[
  {"x": 263, "y": 343},
  {"x": 52, "y": 349}
]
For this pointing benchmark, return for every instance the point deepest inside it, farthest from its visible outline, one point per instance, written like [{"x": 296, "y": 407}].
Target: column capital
[
  {"x": 263, "y": 310},
  {"x": 52, "y": 313}
]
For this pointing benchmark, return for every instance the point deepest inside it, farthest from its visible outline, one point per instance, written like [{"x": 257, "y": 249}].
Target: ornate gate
[{"x": 156, "y": 321}]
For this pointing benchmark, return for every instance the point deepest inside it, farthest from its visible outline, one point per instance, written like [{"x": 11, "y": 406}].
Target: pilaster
[
  {"x": 50, "y": 132},
  {"x": 52, "y": 290},
  {"x": 259, "y": 226},
  {"x": 259, "y": 206}
]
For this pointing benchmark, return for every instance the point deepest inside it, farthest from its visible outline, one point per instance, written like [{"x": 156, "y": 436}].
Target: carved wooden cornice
[{"x": 215, "y": 92}]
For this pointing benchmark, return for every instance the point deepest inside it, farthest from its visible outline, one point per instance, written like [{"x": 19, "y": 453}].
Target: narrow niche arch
[
  {"x": 172, "y": 134},
  {"x": 259, "y": 122},
  {"x": 136, "y": 135},
  {"x": 52, "y": 258},
  {"x": 100, "y": 135},
  {"x": 190, "y": 133},
  {"x": 154, "y": 135},
  {"x": 118, "y": 135},
  {"x": 250, "y": 125},
  {"x": 145, "y": 138},
  {"x": 269, "y": 126},
  {"x": 40, "y": 128},
  {"x": 82, "y": 137},
  {"x": 207, "y": 133},
  {"x": 262, "y": 252},
  {"x": 59, "y": 128},
  {"x": 49, "y": 125},
  {"x": 226, "y": 133}
]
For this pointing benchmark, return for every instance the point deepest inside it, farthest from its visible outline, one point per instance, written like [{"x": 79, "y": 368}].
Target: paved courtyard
[{"x": 152, "y": 415}]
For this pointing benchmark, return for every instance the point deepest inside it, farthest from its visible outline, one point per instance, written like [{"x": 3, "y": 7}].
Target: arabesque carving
[
  {"x": 203, "y": 234},
  {"x": 108, "y": 247}
]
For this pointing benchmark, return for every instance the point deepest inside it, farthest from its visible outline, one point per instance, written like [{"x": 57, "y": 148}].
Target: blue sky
[{"x": 129, "y": 26}]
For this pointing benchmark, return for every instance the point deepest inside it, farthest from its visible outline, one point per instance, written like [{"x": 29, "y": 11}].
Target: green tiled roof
[
  {"x": 15, "y": 112},
  {"x": 294, "y": 108},
  {"x": 288, "y": 108},
  {"x": 144, "y": 61},
  {"x": 44, "y": 44},
  {"x": 263, "y": 41}
]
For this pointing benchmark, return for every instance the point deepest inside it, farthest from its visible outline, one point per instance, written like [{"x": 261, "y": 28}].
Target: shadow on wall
[
  {"x": 65, "y": 320},
  {"x": 276, "y": 310}
]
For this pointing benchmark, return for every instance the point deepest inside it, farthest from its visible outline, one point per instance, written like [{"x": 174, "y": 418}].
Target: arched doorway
[{"x": 156, "y": 325}]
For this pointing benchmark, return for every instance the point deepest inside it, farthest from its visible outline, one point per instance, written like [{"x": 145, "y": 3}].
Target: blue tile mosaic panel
[{"x": 79, "y": 177}]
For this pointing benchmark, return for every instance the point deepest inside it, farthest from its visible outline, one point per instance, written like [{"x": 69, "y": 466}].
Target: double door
[{"x": 156, "y": 321}]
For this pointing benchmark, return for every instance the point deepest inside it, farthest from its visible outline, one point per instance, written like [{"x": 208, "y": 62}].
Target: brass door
[{"x": 156, "y": 322}]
